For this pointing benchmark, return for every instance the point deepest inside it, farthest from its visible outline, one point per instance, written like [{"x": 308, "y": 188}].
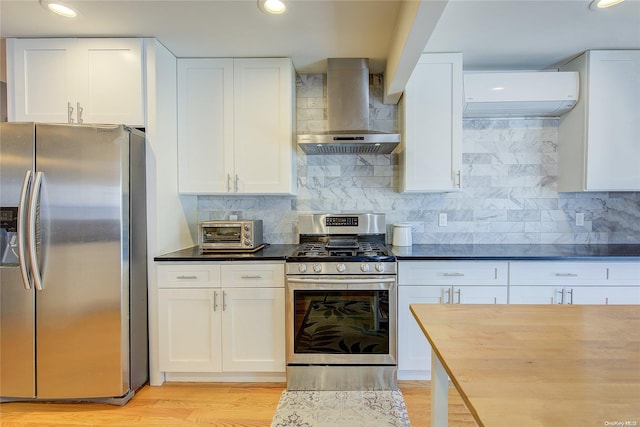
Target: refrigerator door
[
  {"x": 17, "y": 304},
  {"x": 82, "y": 311}
]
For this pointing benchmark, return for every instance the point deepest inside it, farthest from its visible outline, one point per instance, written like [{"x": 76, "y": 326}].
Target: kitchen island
[{"x": 535, "y": 365}]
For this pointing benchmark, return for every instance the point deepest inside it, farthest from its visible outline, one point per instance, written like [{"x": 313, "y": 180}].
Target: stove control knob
[
  {"x": 317, "y": 268},
  {"x": 341, "y": 268},
  {"x": 302, "y": 268},
  {"x": 380, "y": 267},
  {"x": 364, "y": 267}
]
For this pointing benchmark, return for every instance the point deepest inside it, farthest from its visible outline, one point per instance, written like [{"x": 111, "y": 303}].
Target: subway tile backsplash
[{"x": 509, "y": 186}]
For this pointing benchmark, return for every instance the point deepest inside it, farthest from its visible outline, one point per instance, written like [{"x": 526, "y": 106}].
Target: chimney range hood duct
[{"x": 348, "y": 111}]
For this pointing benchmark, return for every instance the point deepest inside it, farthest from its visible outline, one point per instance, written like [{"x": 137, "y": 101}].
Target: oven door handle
[{"x": 343, "y": 281}]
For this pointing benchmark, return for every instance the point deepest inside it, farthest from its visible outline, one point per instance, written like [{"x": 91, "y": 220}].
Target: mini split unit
[{"x": 520, "y": 94}]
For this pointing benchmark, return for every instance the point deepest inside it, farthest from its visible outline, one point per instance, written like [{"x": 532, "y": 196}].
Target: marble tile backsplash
[{"x": 509, "y": 186}]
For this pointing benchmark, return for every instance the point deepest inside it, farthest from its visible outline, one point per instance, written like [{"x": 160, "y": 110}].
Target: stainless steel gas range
[{"x": 341, "y": 305}]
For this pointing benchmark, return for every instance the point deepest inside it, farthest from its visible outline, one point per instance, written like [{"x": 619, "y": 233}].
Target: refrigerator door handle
[
  {"x": 22, "y": 229},
  {"x": 33, "y": 209}
]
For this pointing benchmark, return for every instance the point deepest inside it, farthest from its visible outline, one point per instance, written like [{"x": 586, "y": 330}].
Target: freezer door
[
  {"x": 82, "y": 312},
  {"x": 17, "y": 304}
]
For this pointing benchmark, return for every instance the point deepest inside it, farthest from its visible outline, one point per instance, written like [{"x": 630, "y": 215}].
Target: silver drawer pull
[
  {"x": 187, "y": 277},
  {"x": 566, "y": 275},
  {"x": 251, "y": 276},
  {"x": 453, "y": 274}
]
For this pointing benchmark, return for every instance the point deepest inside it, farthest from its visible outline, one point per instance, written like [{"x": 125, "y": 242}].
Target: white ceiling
[{"x": 501, "y": 34}]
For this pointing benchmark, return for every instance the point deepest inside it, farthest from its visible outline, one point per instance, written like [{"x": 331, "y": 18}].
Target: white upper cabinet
[
  {"x": 236, "y": 126},
  {"x": 431, "y": 150},
  {"x": 76, "y": 80},
  {"x": 598, "y": 141}
]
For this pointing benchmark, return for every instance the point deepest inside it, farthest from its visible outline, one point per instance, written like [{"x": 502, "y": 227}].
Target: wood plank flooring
[{"x": 213, "y": 404}]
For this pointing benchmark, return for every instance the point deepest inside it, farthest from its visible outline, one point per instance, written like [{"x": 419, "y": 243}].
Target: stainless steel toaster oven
[{"x": 239, "y": 234}]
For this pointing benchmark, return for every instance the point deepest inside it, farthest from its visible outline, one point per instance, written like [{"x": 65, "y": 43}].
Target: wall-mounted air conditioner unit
[{"x": 520, "y": 94}]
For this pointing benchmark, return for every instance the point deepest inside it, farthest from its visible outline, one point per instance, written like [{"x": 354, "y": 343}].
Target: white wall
[{"x": 171, "y": 218}]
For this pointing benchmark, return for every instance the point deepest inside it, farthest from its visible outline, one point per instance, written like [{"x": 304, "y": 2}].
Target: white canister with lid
[{"x": 402, "y": 234}]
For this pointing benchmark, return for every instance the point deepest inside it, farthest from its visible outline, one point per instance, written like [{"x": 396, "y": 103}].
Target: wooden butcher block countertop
[{"x": 540, "y": 365}]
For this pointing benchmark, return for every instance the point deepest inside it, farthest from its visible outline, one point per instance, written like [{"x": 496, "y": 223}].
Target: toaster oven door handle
[{"x": 342, "y": 281}]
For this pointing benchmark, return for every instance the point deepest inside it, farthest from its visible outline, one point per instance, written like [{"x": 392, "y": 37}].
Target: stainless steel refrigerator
[{"x": 73, "y": 278}]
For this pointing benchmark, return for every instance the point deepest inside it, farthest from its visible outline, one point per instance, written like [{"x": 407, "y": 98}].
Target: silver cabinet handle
[
  {"x": 32, "y": 221},
  {"x": 22, "y": 230},
  {"x": 236, "y": 183},
  {"x": 228, "y": 183},
  {"x": 561, "y": 296},
  {"x": 458, "y": 179},
  {"x": 251, "y": 276},
  {"x": 459, "y": 291},
  {"x": 448, "y": 292},
  {"x": 453, "y": 274},
  {"x": 186, "y": 277},
  {"x": 224, "y": 301},
  {"x": 570, "y": 296},
  {"x": 69, "y": 113},
  {"x": 566, "y": 275},
  {"x": 79, "y": 113},
  {"x": 215, "y": 300}
]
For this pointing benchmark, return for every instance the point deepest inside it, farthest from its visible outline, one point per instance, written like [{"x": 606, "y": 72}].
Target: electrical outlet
[
  {"x": 442, "y": 220},
  {"x": 233, "y": 217},
  {"x": 579, "y": 219}
]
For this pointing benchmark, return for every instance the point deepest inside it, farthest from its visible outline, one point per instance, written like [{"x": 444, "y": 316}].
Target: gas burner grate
[{"x": 342, "y": 248}]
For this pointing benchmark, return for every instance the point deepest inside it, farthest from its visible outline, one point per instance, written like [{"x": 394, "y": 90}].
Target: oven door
[{"x": 341, "y": 320}]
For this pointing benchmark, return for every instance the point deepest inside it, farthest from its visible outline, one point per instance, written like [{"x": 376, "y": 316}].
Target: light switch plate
[
  {"x": 579, "y": 219},
  {"x": 442, "y": 220}
]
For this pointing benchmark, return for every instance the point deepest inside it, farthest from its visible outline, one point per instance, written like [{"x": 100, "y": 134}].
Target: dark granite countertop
[
  {"x": 279, "y": 252},
  {"x": 517, "y": 252},
  {"x": 269, "y": 253}
]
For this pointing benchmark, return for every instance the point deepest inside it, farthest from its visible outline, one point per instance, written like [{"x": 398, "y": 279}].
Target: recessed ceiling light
[
  {"x": 602, "y": 4},
  {"x": 272, "y": 7},
  {"x": 59, "y": 8}
]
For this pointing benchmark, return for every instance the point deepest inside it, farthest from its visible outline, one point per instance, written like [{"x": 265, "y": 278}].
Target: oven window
[
  {"x": 341, "y": 322},
  {"x": 221, "y": 234}
]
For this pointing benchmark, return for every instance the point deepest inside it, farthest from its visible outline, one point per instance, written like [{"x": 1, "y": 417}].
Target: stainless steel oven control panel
[{"x": 341, "y": 268}]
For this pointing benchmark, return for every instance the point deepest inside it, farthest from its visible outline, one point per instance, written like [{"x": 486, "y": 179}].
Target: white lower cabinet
[
  {"x": 190, "y": 330},
  {"x": 574, "y": 282},
  {"x": 440, "y": 282},
  {"x": 208, "y": 325}
]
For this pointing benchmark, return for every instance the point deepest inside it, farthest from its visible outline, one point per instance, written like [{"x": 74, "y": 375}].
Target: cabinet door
[
  {"x": 189, "y": 325},
  {"x": 253, "y": 330},
  {"x": 263, "y": 123},
  {"x": 42, "y": 79},
  {"x": 603, "y": 295},
  {"x": 479, "y": 295},
  {"x": 110, "y": 81},
  {"x": 613, "y": 125},
  {"x": 598, "y": 148},
  {"x": 414, "y": 351},
  {"x": 431, "y": 153},
  {"x": 205, "y": 126},
  {"x": 535, "y": 295}
]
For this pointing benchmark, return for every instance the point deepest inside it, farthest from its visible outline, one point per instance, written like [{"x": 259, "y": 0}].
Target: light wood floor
[{"x": 214, "y": 404}]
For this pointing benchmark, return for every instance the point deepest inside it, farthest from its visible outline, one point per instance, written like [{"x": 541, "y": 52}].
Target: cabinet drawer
[
  {"x": 452, "y": 273},
  {"x": 625, "y": 272},
  {"x": 188, "y": 276},
  {"x": 558, "y": 273},
  {"x": 253, "y": 275}
]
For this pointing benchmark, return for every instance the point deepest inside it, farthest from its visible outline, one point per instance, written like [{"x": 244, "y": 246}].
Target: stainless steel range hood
[{"x": 348, "y": 114}]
